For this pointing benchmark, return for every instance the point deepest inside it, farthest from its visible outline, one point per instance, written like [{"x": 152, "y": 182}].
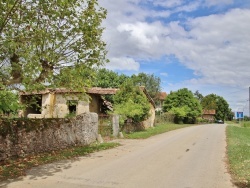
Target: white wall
[{"x": 55, "y": 106}]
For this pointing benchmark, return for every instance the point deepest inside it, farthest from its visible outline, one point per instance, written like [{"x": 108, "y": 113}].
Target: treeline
[
  {"x": 109, "y": 79},
  {"x": 183, "y": 105},
  {"x": 99, "y": 78},
  {"x": 188, "y": 107}
]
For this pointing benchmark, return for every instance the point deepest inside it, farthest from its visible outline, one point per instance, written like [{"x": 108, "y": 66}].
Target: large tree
[
  {"x": 151, "y": 82},
  {"x": 218, "y": 103},
  {"x": 109, "y": 79},
  {"x": 40, "y": 38},
  {"x": 131, "y": 103},
  {"x": 198, "y": 95},
  {"x": 184, "y": 105},
  {"x": 209, "y": 102},
  {"x": 222, "y": 109}
]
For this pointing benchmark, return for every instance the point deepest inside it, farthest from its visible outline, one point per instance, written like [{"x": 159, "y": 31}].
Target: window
[{"x": 72, "y": 104}]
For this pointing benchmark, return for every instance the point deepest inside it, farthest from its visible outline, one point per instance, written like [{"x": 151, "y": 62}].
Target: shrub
[{"x": 131, "y": 103}]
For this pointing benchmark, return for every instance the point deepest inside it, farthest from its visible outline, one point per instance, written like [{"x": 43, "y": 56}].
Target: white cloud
[
  {"x": 123, "y": 63},
  {"x": 189, "y": 7},
  {"x": 218, "y": 48},
  {"x": 215, "y": 47},
  {"x": 216, "y": 2},
  {"x": 167, "y": 4}
]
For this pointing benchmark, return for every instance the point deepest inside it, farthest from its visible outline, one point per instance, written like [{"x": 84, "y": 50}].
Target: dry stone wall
[{"x": 48, "y": 135}]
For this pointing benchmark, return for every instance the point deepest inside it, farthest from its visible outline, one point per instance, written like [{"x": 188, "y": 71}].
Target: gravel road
[{"x": 192, "y": 157}]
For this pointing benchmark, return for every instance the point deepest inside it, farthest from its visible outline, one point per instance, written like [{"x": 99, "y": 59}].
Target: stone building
[{"x": 60, "y": 103}]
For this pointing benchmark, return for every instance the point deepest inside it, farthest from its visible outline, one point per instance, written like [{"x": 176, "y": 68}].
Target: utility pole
[{"x": 249, "y": 102}]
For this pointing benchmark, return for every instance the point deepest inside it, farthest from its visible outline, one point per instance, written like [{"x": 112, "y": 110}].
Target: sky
[{"x": 201, "y": 45}]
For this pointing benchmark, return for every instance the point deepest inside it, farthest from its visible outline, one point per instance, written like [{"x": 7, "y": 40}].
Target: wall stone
[
  {"x": 62, "y": 133},
  {"x": 149, "y": 122},
  {"x": 115, "y": 124}
]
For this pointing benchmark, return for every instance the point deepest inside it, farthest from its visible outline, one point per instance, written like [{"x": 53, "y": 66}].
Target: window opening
[{"x": 72, "y": 104}]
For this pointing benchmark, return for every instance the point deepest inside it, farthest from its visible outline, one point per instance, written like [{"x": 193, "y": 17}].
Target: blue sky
[{"x": 198, "y": 44}]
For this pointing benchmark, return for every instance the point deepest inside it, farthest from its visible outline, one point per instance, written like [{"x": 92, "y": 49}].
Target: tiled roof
[
  {"x": 102, "y": 91},
  {"x": 209, "y": 112},
  {"x": 162, "y": 95}
]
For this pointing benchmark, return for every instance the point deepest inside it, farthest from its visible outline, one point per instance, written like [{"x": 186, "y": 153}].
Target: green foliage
[
  {"x": 238, "y": 142},
  {"x": 131, "y": 103},
  {"x": 160, "y": 128},
  {"x": 201, "y": 120},
  {"x": 222, "y": 109},
  {"x": 198, "y": 95},
  {"x": 109, "y": 79},
  {"x": 246, "y": 124},
  {"x": 151, "y": 82},
  {"x": 8, "y": 102},
  {"x": 218, "y": 103},
  {"x": 209, "y": 102},
  {"x": 39, "y": 39},
  {"x": 246, "y": 118},
  {"x": 166, "y": 117},
  {"x": 183, "y": 105},
  {"x": 70, "y": 115}
]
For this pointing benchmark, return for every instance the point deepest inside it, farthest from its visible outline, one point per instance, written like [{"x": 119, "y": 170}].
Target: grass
[
  {"x": 246, "y": 124},
  {"x": 161, "y": 128},
  {"x": 16, "y": 167},
  {"x": 238, "y": 140}
]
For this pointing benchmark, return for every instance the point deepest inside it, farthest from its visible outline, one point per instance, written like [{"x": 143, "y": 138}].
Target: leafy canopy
[
  {"x": 218, "y": 103},
  {"x": 151, "y": 82},
  {"x": 131, "y": 103},
  {"x": 109, "y": 79},
  {"x": 49, "y": 42},
  {"x": 183, "y": 105},
  {"x": 209, "y": 102},
  {"x": 9, "y": 102}
]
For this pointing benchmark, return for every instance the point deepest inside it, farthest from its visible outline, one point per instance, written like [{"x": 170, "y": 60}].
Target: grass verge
[
  {"x": 238, "y": 141},
  {"x": 17, "y": 167},
  {"x": 161, "y": 128}
]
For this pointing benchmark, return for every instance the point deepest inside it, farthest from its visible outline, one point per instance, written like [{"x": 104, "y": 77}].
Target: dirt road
[{"x": 192, "y": 157}]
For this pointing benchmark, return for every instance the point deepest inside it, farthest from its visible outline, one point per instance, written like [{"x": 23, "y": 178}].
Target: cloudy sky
[{"x": 198, "y": 44}]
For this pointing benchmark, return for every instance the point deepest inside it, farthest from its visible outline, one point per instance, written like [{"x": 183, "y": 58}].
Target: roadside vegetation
[
  {"x": 238, "y": 150},
  {"x": 158, "y": 129},
  {"x": 14, "y": 168}
]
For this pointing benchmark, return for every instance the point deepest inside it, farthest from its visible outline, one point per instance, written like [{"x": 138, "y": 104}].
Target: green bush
[
  {"x": 131, "y": 103},
  {"x": 164, "y": 118},
  {"x": 201, "y": 120}
]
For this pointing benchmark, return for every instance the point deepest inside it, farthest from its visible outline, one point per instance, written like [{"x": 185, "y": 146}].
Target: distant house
[
  {"x": 160, "y": 98},
  {"x": 209, "y": 115},
  {"x": 58, "y": 103}
]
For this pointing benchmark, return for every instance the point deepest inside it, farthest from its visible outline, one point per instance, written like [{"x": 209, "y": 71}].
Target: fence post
[{"x": 115, "y": 124}]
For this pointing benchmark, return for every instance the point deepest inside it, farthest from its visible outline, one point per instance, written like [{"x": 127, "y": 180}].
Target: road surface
[{"x": 192, "y": 157}]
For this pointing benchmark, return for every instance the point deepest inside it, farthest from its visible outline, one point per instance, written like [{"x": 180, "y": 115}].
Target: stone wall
[
  {"x": 149, "y": 122},
  {"x": 47, "y": 135}
]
